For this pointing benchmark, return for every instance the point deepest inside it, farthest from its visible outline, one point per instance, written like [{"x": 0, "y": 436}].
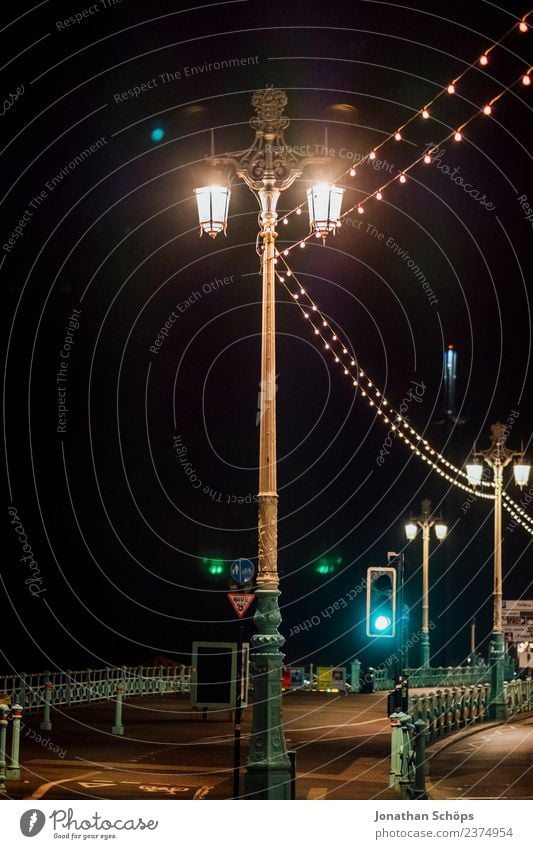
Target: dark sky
[{"x": 117, "y": 532}]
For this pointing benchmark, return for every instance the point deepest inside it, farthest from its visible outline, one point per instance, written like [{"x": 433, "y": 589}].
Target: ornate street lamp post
[
  {"x": 497, "y": 457},
  {"x": 425, "y": 521},
  {"x": 268, "y": 168}
]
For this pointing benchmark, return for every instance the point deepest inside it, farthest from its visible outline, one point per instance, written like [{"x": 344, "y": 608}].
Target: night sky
[{"x": 100, "y": 245}]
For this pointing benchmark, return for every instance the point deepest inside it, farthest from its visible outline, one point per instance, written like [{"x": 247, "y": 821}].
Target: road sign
[
  {"x": 242, "y": 571},
  {"x": 241, "y": 602}
]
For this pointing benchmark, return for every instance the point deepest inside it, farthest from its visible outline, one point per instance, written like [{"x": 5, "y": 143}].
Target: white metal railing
[{"x": 71, "y": 687}]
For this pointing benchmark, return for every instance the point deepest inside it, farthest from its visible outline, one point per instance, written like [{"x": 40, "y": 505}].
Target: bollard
[
  {"x": 356, "y": 676},
  {"x": 46, "y": 724},
  {"x": 4, "y": 711},
  {"x": 13, "y": 770},
  {"x": 118, "y": 728},
  {"x": 292, "y": 761},
  {"x": 419, "y": 741}
]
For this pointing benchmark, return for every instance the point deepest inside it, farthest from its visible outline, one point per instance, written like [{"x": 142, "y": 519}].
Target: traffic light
[
  {"x": 327, "y": 565},
  {"x": 380, "y": 601},
  {"x": 215, "y": 566}
]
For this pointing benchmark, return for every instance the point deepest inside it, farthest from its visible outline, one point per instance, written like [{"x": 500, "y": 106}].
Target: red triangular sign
[{"x": 241, "y": 602}]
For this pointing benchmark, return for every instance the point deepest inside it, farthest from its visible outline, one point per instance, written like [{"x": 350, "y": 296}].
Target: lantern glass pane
[
  {"x": 324, "y": 202},
  {"x": 441, "y": 530},
  {"x": 521, "y": 473},
  {"x": 474, "y": 472},
  {"x": 411, "y": 530},
  {"x": 213, "y": 202}
]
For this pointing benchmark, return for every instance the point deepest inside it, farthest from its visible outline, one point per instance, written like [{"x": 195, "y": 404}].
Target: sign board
[
  {"x": 214, "y": 674},
  {"x": 242, "y": 571},
  {"x": 330, "y": 678},
  {"x": 517, "y": 620},
  {"x": 292, "y": 677},
  {"x": 525, "y": 659},
  {"x": 240, "y": 602}
]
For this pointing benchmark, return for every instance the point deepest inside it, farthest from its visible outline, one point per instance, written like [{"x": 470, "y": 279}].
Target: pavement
[
  {"x": 342, "y": 744},
  {"x": 489, "y": 761},
  {"x": 169, "y": 751}
]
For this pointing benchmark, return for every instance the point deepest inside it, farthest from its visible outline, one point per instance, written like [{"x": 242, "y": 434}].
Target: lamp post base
[
  {"x": 268, "y": 771},
  {"x": 498, "y": 702},
  {"x": 424, "y": 650}
]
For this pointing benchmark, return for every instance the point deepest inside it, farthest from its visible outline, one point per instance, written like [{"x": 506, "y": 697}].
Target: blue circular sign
[{"x": 242, "y": 571}]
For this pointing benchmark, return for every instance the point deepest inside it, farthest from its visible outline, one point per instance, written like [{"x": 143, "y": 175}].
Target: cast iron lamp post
[
  {"x": 497, "y": 457},
  {"x": 425, "y": 521},
  {"x": 268, "y": 168}
]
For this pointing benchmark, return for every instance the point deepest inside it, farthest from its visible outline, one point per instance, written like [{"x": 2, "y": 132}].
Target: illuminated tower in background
[{"x": 450, "y": 376}]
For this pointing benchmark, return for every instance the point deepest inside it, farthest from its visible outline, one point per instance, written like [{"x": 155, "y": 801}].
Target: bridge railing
[
  {"x": 447, "y": 676},
  {"x": 90, "y": 685}
]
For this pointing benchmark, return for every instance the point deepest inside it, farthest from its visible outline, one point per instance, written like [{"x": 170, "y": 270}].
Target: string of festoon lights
[
  {"x": 397, "y": 424},
  {"x": 457, "y": 134}
]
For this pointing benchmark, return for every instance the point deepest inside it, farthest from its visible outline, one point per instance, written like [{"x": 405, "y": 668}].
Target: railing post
[
  {"x": 161, "y": 681},
  {"x": 398, "y": 724},
  {"x": 13, "y": 770},
  {"x": 141, "y": 680},
  {"x": 4, "y": 711},
  {"x": 292, "y": 761},
  {"x": 68, "y": 683},
  {"x": 21, "y": 694},
  {"x": 118, "y": 728},
  {"x": 46, "y": 724},
  {"x": 419, "y": 743}
]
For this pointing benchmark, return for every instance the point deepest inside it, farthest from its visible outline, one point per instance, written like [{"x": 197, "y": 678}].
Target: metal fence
[
  {"x": 91, "y": 685},
  {"x": 452, "y": 709}
]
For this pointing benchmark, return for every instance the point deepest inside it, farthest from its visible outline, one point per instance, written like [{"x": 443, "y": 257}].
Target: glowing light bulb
[
  {"x": 398, "y": 136},
  {"x": 379, "y": 196},
  {"x": 317, "y": 331},
  {"x": 487, "y": 109},
  {"x": 352, "y": 172},
  {"x": 522, "y": 26},
  {"x": 403, "y": 178},
  {"x": 526, "y": 79},
  {"x": 285, "y": 220},
  {"x": 372, "y": 154},
  {"x": 360, "y": 210},
  {"x": 427, "y": 159},
  {"x": 298, "y": 211},
  {"x": 302, "y": 244},
  {"x": 484, "y": 60},
  {"x": 451, "y": 89},
  {"x": 425, "y": 113},
  {"x": 289, "y": 272},
  {"x": 302, "y": 291},
  {"x": 458, "y": 137}
]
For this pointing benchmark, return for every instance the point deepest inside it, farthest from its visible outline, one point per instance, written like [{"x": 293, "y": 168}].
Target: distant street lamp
[
  {"x": 268, "y": 167},
  {"x": 497, "y": 457},
  {"x": 425, "y": 521}
]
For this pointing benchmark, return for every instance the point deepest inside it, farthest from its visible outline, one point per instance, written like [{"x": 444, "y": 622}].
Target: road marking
[
  {"x": 202, "y": 792},
  {"x": 131, "y": 767},
  {"x": 341, "y": 725},
  {"x": 44, "y": 788},
  {"x": 97, "y": 783},
  {"x": 317, "y": 792}
]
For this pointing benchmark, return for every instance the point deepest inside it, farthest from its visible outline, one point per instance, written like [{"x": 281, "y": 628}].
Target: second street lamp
[
  {"x": 497, "y": 456},
  {"x": 268, "y": 167},
  {"x": 425, "y": 521}
]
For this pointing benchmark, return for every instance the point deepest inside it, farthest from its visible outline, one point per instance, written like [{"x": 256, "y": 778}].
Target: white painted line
[
  {"x": 44, "y": 788},
  {"x": 202, "y": 792},
  {"x": 131, "y": 767},
  {"x": 341, "y": 725},
  {"x": 317, "y": 792}
]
